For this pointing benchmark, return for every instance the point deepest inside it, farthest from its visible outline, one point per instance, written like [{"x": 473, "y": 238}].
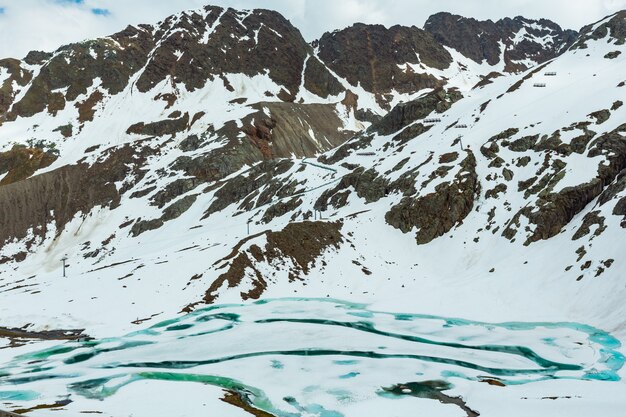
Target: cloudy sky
[{"x": 46, "y": 24}]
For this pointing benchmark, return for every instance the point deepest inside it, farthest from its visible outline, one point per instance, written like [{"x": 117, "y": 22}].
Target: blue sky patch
[{"x": 101, "y": 12}]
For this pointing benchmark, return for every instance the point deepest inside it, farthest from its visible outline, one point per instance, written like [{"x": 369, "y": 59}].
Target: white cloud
[{"x": 47, "y": 24}]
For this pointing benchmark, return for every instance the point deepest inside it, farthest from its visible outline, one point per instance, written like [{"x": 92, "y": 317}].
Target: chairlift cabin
[
  {"x": 539, "y": 85},
  {"x": 461, "y": 126},
  {"x": 430, "y": 121},
  {"x": 550, "y": 73}
]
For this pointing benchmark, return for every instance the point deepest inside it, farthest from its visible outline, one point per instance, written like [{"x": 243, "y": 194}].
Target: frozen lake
[{"x": 326, "y": 358}]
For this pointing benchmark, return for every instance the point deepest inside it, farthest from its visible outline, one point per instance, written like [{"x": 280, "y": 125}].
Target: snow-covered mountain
[
  {"x": 468, "y": 169},
  {"x": 515, "y": 44}
]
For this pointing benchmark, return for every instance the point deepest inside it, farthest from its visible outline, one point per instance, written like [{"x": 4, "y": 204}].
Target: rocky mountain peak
[
  {"x": 613, "y": 26},
  {"x": 187, "y": 49},
  {"x": 515, "y": 43},
  {"x": 373, "y": 56}
]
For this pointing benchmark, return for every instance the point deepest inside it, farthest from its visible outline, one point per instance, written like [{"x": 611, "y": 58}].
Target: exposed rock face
[
  {"x": 264, "y": 40},
  {"x": 57, "y": 196},
  {"x": 404, "y": 114},
  {"x": 296, "y": 247},
  {"x": 76, "y": 66},
  {"x": 287, "y": 133},
  {"x": 437, "y": 213},
  {"x": 480, "y": 40},
  {"x": 554, "y": 210},
  {"x": 17, "y": 76},
  {"x": 302, "y": 130},
  {"x": 161, "y": 128},
  {"x": 173, "y": 211},
  {"x": 369, "y": 55},
  {"x": 189, "y": 48},
  {"x": 318, "y": 80},
  {"x": 613, "y": 26},
  {"x": 261, "y": 135},
  {"x": 20, "y": 163},
  {"x": 248, "y": 184}
]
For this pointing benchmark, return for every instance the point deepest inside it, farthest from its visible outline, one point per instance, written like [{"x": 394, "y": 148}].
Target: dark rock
[
  {"x": 504, "y": 134},
  {"x": 191, "y": 143},
  {"x": 239, "y": 187},
  {"x": 493, "y": 193},
  {"x": 143, "y": 226},
  {"x": 57, "y": 196},
  {"x": 37, "y": 57},
  {"x": 20, "y": 163},
  {"x": 406, "y": 113},
  {"x": 65, "y": 130},
  {"x": 318, "y": 80},
  {"x": 410, "y": 132},
  {"x": 614, "y": 26},
  {"x": 370, "y": 55},
  {"x": 366, "y": 115},
  {"x": 300, "y": 243},
  {"x": 523, "y": 144},
  {"x": 555, "y": 210},
  {"x": 437, "y": 213},
  {"x": 601, "y": 116},
  {"x": 176, "y": 209},
  {"x": 173, "y": 190},
  {"x": 161, "y": 128},
  {"x": 486, "y": 80},
  {"x": 368, "y": 184},
  {"x": 446, "y": 158},
  {"x": 480, "y": 40},
  {"x": 590, "y": 219},
  {"x": 281, "y": 208}
]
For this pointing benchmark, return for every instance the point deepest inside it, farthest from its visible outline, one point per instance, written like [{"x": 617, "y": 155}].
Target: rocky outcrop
[
  {"x": 173, "y": 211},
  {"x": 613, "y": 26},
  {"x": 287, "y": 133},
  {"x": 17, "y": 76},
  {"x": 221, "y": 40},
  {"x": 554, "y": 210},
  {"x": 160, "y": 128},
  {"x": 319, "y": 81},
  {"x": 261, "y": 135},
  {"x": 21, "y": 162},
  {"x": 54, "y": 198},
  {"x": 290, "y": 129},
  {"x": 480, "y": 40},
  {"x": 437, "y": 213},
  {"x": 404, "y": 114},
  {"x": 248, "y": 185},
  {"x": 189, "y": 49},
  {"x": 372, "y": 56},
  {"x": 296, "y": 248},
  {"x": 75, "y": 67},
  {"x": 368, "y": 184}
]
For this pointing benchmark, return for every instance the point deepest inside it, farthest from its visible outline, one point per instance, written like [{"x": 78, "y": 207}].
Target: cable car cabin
[
  {"x": 550, "y": 73},
  {"x": 461, "y": 126},
  {"x": 539, "y": 85},
  {"x": 429, "y": 121}
]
